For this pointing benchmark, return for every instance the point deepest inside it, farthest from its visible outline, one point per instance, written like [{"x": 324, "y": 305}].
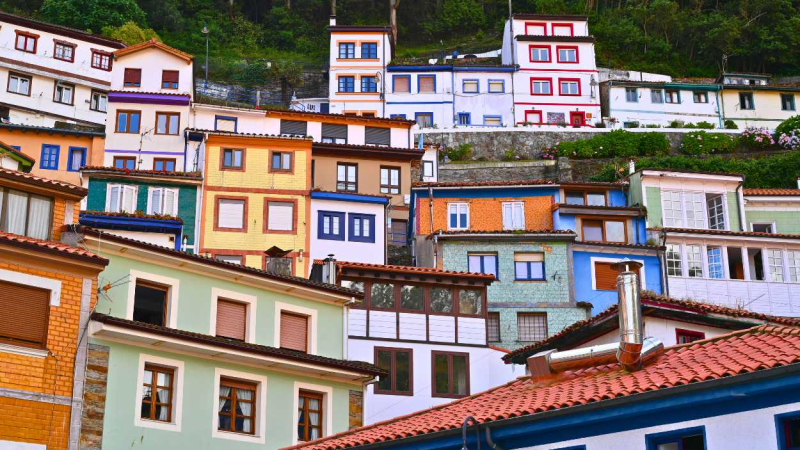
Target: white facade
[
  {"x": 631, "y": 105},
  {"x": 430, "y": 165},
  {"x": 662, "y": 329},
  {"x": 315, "y": 105}
]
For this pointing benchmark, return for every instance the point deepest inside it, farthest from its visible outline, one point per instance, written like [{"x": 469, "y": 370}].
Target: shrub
[
  {"x": 617, "y": 143},
  {"x": 676, "y": 124},
  {"x": 703, "y": 125},
  {"x": 704, "y": 143},
  {"x": 753, "y": 137},
  {"x": 788, "y": 125},
  {"x": 790, "y": 141},
  {"x": 461, "y": 153},
  {"x": 510, "y": 155},
  {"x": 731, "y": 125}
]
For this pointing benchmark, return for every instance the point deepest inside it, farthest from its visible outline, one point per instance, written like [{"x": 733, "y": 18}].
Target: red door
[{"x": 577, "y": 118}]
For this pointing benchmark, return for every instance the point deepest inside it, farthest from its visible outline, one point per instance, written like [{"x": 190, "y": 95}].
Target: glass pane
[
  {"x": 615, "y": 232},
  {"x": 403, "y": 371},
  {"x": 382, "y": 295},
  {"x": 39, "y": 224},
  {"x": 164, "y": 379},
  {"x": 460, "y": 374},
  {"x": 469, "y": 301},
  {"x": 17, "y": 212},
  {"x": 145, "y": 413},
  {"x": 592, "y": 231},
  {"x": 411, "y": 297},
  {"x": 521, "y": 270},
  {"x": 669, "y": 446},
  {"x": 440, "y": 375},
  {"x": 537, "y": 270},
  {"x": 596, "y": 199},
  {"x": 441, "y": 300},
  {"x": 385, "y": 362},
  {"x": 148, "y": 377}
]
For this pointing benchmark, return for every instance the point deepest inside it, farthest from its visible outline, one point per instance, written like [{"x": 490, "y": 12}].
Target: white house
[
  {"x": 53, "y": 73},
  {"x": 557, "y": 80}
]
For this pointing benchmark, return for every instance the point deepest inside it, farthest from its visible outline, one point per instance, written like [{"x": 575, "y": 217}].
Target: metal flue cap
[{"x": 627, "y": 265}]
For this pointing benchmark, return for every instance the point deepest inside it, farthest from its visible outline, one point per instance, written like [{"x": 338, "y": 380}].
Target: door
[{"x": 577, "y": 119}]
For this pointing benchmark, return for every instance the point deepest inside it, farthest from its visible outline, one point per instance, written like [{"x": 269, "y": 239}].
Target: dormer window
[{"x": 694, "y": 210}]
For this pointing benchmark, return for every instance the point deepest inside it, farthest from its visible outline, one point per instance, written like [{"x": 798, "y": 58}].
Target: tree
[
  {"x": 93, "y": 15},
  {"x": 130, "y": 33}
]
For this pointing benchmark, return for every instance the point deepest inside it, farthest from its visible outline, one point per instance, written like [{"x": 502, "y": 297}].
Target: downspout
[
  {"x": 435, "y": 240},
  {"x": 740, "y": 209},
  {"x": 513, "y": 62},
  {"x": 719, "y": 108},
  {"x": 453, "y": 93},
  {"x": 662, "y": 260},
  {"x": 185, "y": 147},
  {"x": 489, "y": 440},
  {"x": 464, "y": 426}
]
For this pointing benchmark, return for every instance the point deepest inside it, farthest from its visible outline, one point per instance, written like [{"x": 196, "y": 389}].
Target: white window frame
[
  {"x": 539, "y": 53},
  {"x": 541, "y": 84},
  {"x": 458, "y": 206},
  {"x": 687, "y": 198},
  {"x": 722, "y": 211},
  {"x": 569, "y": 91},
  {"x": 60, "y": 89},
  {"x": 327, "y": 407},
  {"x": 426, "y": 164},
  {"x": 567, "y": 53},
  {"x": 512, "y": 206},
  {"x": 260, "y": 435},
  {"x": 793, "y": 266},
  {"x": 123, "y": 188},
  {"x": 690, "y": 199},
  {"x": 19, "y": 78},
  {"x": 771, "y": 224},
  {"x": 250, "y": 300},
  {"x": 699, "y": 259},
  {"x": 173, "y": 294},
  {"x": 177, "y": 393},
  {"x": 99, "y": 96},
  {"x": 596, "y": 259},
  {"x": 163, "y": 190},
  {"x": 771, "y": 266},
  {"x": 312, "y": 325},
  {"x": 680, "y": 260}
]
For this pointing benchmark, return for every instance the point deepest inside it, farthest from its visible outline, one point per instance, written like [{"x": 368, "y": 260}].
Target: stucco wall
[
  {"x": 601, "y": 300},
  {"x": 785, "y": 221},
  {"x": 486, "y": 214}
]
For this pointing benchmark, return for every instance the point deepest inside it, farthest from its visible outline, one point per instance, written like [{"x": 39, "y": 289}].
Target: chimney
[
  {"x": 798, "y": 183},
  {"x": 631, "y": 166},
  {"x": 329, "y": 270},
  {"x": 333, "y": 21}
]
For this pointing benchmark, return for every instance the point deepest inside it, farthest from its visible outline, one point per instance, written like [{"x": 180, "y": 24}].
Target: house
[
  {"x": 12, "y": 158},
  {"x": 205, "y": 354},
  {"x": 557, "y": 80},
  {"x": 633, "y": 104},
  {"x": 155, "y": 207},
  {"x": 47, "y": 291},
  {"x": 751, "y": 100},
  {"x": 151, "y": 90},
  {"x": 53, "y": 74},
  {"x": 772, "y": 210},
  {"x": 256, "y": 196},
  {"x": 426, "y": 327},
  {"x": 504, "y": 229},
  {"x": 710, "y": 254}
]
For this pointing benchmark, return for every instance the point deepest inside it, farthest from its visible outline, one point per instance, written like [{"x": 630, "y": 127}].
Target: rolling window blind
[
  {"x": 294, "y": 332},
  {"x": 225, "y": 124},
  {"x": 24, "y": 317},
  {"x": 333, "y": 131},
  {"x": 426, "y": 84},
  {"x": 133, "y": 76},
  {"x": 377, "y": 136},
  {"x": 231, "y": 213},
  {"x": 294, "y": 127},
  {"x": 401, "y": 84},
  {"x": 280, "y": 216},
  {"x": 169, "y": 76},
  {"x": 231, "y": 319},
  {"x": 606, "y": 277}
]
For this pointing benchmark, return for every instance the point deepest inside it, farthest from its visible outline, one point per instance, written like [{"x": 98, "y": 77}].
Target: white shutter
[
  {"x": 519, "y": 216},
  {"x": 507, "y": 216},
  {"x": 113, "y": 197},
  {"x": 171, "y": 202},
  {"x": 154, "y": 203},
  {"x": 280, "y": 216},
  {"x": 231, "y": 213},
  {"x": 129, "y": 198}
]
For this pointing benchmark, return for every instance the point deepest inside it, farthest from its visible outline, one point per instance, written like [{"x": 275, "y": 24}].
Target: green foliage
[
  {"x": 617, "y": 143},
  {"x": 703, "y": 143},
  {"x": 787, "y": 126},
  {"x": 93, "y": 15},
  {"x": 756, "y": 138},
  {"x": 461, "y": 153},
  {"x": 130, "y": 33},
  {"x": 731, "y": 125},
  {"x": 705, "y": 125},
  {"x": 510, "y": 155}
]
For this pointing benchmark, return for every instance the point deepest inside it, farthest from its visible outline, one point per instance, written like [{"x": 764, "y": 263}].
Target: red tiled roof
[
  {"x": 533, "y": 182},
  {"x": 13, "y": 150},
  {"x": 135, "y": 215},
  {"x": 160, "y": 173},
  {"x": 250, "y": 135},
  {"x": 760, "y": 348},
  {"x": 773, "y": 192},
  {"x": 700, "y": 172},
  {"x": 322, "y": 116},
  {"x": 33, "y": 180},
  {"x": 410, "y": 269},
  {"x": 727, "y": 233},
  {"x": 639, "y": 209},
  {"x": 51, "y": 247},
  {"x": 620, "y": 244},
  {"x": 367, "y": 150},
  {"x": 565, "y": 233},
  {"x": 154, "y": 43}
]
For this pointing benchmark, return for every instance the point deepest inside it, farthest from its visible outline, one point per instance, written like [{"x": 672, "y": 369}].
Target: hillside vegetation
[{"x": 677, "y": 37}]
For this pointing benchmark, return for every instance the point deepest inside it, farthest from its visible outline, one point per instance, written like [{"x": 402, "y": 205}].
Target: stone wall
[
  {"x": 94, "y": 398},
  {"x": 563, "y": 169},
  {"x": 356, "y": 409}
]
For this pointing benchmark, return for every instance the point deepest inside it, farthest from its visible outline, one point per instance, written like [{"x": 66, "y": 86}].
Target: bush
[
  {"x": 703, "y": 125},
  {"x": 753, "y": 137},
  {"x": 461, "y": 153},
  {"x": 510, "y": 155},
  {"x": 731, "y": 125},
  {"x": 704, "y": 143},
  {"x": 788, "y": 125},
  {"x": 790, "y": 141},
  {"x": 617, "y": 143}
]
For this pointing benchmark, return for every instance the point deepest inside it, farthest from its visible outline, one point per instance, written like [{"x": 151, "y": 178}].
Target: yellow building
[
  {"x": 255, "y": 206},
  {"x": 751, "y": 101}
]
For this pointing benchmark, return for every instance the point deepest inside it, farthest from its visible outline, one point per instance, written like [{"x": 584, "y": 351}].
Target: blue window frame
[
  {"x": 787, "y": 428},
  {"x": 428, "y": 82},
  {"x": 347, "y": 50},
  {"x": 77, "y": 159},
  {"x": 483, "y": 263},
  {"x": 397, "y": 116},
  {"x": 49, "y": 159},
  {"x": 686, "y": 439},
  {"x": 331, "y": 225},
  {"x": 369, "y": 84},
  {"x": 347, "y": 84},
  {"x": 470, "y": 86},
  {"x": 17, "y": 148},
  {"x": 362, "y": 227},
  {"x": 574, "y": 447},
  {"x": 424, "y": 119},
  {"x": 403, "y": 82},
  {"x": 529, "y": 266},
  {"x": 369, "y": 50},
  {"x": 226, "y": 123},
  {"x": 496, "y": 86},
  {"x": 464, "y": 119}
]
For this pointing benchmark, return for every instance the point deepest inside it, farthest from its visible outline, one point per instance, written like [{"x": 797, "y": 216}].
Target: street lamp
[{"x": 205, "y": 31}]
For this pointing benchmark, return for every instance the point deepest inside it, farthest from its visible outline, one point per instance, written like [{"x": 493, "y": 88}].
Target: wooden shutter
[
  {"x": 294, "y": 332},
  {"x": 426, "y": 84},
  {"x": 231, "y": 213},
  {"x": 24, "y": 314},
  {"x": 334, "y": 131},
  {"x": 377, "y": 136},
  {"x": 169, "y": 76},
  {"x": 295, "y": 127},
  {"x": 231, "y": 319},
  {"x": 280, "y": 216},
  {"x": 133, "y": 76},
  {"x": 606, "y": 277}
]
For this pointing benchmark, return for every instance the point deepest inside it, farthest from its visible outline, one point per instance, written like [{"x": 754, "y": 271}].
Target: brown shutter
[
  {"x": 24, "y": 314},
  {"x": 294, "y": 332},
  {"x": 170, "y": 76},
  {"x": 231, "y": 319},
  {"x": 133, "y": 76},
  {"x": 606, "y": 277}
]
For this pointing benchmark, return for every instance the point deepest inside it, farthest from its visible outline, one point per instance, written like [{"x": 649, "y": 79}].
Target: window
[
  {"x": 686, "y": 439},
  {"x": 63, "y": 93},
  {"x": 424, "y": 120},
  {"x": 370, "y": 114},
  {"x": 450, "y": 374},
  {"x": 426, "y": 83},
  {"x": 24, "y": 323},
  {"x": 347, "y": 177},
  {"x": 128, "y": 121},
  {"x": 763, "y": 227},
  {"x": 716, "y": 211},
  {"x": 294, "y": 127},
  {"x": 493, "y": 327},
  {"x": 575, "y": 197},
  {"x": 362, "y": 227},
  {"x": 529, "y": 266},
  {"x": 49, "y": 159},
  {"x": 603, "y": 231},
  {"x": 672, "y": 96},
  {"x": 164, "y": 164},
  {"x": 167, "y": 123},
  {"x": 398, "y": 362},
  {"x": 233, "y": 259},
  {"x": 463, "y": 118},
  {"x": 369, "y": 84},
  {"x": 230, "y": 214},
  {"x": 331, "y": 226},
  {"x": 694, "y": 261},
  {"x": 279, "y": 265},
  {"x": 787, "y": 102},
  {"x": 411, "y": 298},
  {"x": 458, "y": 214},
  {"x": 497, "y": 86},
  {"x": 482, "y": 263},
  {"x": 231, "y": 319},
  {"x": 390, "y": 180},
  {"x": 223, "y": 123},
  {"x": 19, "y": 84},
  {"x": 294, "y": 331},
  {"x": 369, "y": 50},
  {"x": 347, "y": 84},
  {"x": 162, "y": 201},
  {"x": 673, "y": 209},
  {"x": 531, "y": 327},
  {"x": 569, "y": 87},
  {"x": 657, "y": 96},
  {"x": 605, "y": 277},
  {"x": 714, "y": 255},
  {"x": 99, "y": 101},
  {"x": 540, "y": 87},
  {"x": 64, "y": 51},
  {"x": 470, "y": 302},
  {"x": 441, "y": 300},
  {"x": 334, "y": 134},
  {"x": 281, "y": 162},
  {"x": 125, "y": 162},
  {"x": 492, "y": 121},
  {"x": 169, "y": 79},
  {"x": 150, "y": 303},
  {"x": 674, "y": 266},
  {"x": 101, "y": 60},
  {"x": 470, "y": 86},
  {"x": 232, "y": 158},
  {"x": 398, "y": 229},
  {"x": 631, "y": 95},
  {"x": 77, "y": 159},
  {"x": 347, "y": 50},
  {"x": 157, "y": 389},
  {"x": 26, "y": 42},
  {"x": 514, "y": 216},
  {"x": 746, "y": 101},
  {"x": 687, "y": 336},
  {"x": 775, "y": 259},
  {"x": 567, "y": 55},
  {"x": 693, "y": 203},
  {"x": 401, "y": 83},
  {"x": 788, "y": 426},
  {"x": 381, "y": 295},
  {"x": 427, "y": 169},
  {"x": 794, "y": 265},
  {"x": 540, "y": 53},
  {"x": 237, "y": 406},
  {"x": 700, "y": 97},
  {"x": 280, "y": 216},
  {"x": 536, "y": 28},
  {"x": 377, "y": 136},
  {"x": 309, "y": 416},
  {"x": 132, "y": 78}
]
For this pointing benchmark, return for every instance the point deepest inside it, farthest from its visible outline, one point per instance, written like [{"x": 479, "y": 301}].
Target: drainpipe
[
  {"x": 464, "y": 432},
  {"x": 489, "y": 440},
  {"x": 719, "y": 108},
  {"x": 435, "y": 240},
  {"x": 513, "y": 61},
  {"x": 740, "y": 209},
  {"x": 662, "y": 260}
]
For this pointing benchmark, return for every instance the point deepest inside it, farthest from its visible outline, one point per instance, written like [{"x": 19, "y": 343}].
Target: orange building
[{"x": 47, "y": 290}]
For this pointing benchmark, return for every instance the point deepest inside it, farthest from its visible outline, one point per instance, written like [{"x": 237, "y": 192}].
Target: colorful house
[
  {"x": 200, "y": 353},
  {"x": 750, "y": 100}
]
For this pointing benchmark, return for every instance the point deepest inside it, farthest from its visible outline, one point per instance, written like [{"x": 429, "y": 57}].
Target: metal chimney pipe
[{"x": 330, "y": 265}]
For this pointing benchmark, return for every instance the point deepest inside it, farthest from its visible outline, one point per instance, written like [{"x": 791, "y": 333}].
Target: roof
[
  {"x": 649, "y": 299},
  {"x": 154, "y": 43},
  {"x": 323, "y": 116},
  {"x": 357, "y": 366},
  {"x": 772, "y": 192},
  {"x": 214, "y": 262},
  {"x": 746, "y": 351},
  {"x": 727, "y": 233},
  {"x": 446, "y": 184},
  {"x": 50, "y": 130},
  {"x": 197, "y": 176},
  {"x": 60, "y": 29},
  {"x": 249, "y": 135},
  {"x": 527, "y": 16},
  {"x": 699, "y": 172},
  {"x": 56, "y": 248},
  {"x": 26, "y": 160},
  {"x": 133, "y": 215},
  {"x": 566, "y": 233},
  {"x": 526, "y": 38},
  {"x": 637, "y": 209},
  {"x": 411, "y": 269},
  {"x": 375, "y": 151},
  {"x": 620, "y": 244},
  {"x": 33, "y": 180},
  {"x": 678, "y": 84},
  {"x": 345, "y": 28}
]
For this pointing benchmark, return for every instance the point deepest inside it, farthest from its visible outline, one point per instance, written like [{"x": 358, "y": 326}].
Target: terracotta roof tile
[
  {"x": 410, "y": 269},
  {"x": 759, "y": 348},
  {"x": 565, "y": 233},
  {"x": 532, "y": 182},
  {"x": 13, "y": 150},
  {"x": 620, "y": 244},
  {"x": 727, "y": 233},
  {"x": 772, "y": 192},
  {"x": 61, "y": 186},
  {"x": 51, "y": 246},
  {"x": 321, "y": 116},
  {"x": 153, "y": 43},
  {"x": 159, "y": 173}
]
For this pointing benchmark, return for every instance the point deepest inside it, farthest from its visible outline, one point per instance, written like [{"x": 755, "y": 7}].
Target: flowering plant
[
  {"x": 757, "y": 138},
  {"x": 704, "y": 143},
  {"x": 790, "y": 141}
]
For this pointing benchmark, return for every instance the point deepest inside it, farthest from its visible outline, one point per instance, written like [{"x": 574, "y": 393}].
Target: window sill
[
  {"x": 234, "y": 436},
  {"x": 23, "y": 351},
  {"x": 157, "y": 425}
]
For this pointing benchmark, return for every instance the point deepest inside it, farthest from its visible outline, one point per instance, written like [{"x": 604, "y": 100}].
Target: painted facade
[
  {"x": 632, "y": 104},
  {"x": 751, "y": 100}
]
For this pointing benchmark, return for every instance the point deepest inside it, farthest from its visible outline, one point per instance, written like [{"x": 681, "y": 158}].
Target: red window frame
[
  {"x": 56, "y": 43},
  {"x": 563, "y": 25},
  {"x": 568, "y": 47},
  {"x": 542, "y": 79},
  {"x": 691, "y": 334},
  {"x": 102, "y": 53},
  {"x": 549, "y": 54},
  {"x": 577, "y": 80},
  {"x": 536, "y": 24},
  {"x": 539, "y": 113},
  {"x": 28, "y": 36}
]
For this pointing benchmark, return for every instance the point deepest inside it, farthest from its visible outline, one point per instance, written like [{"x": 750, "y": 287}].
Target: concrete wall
[{"x": 354, "y": 251}]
